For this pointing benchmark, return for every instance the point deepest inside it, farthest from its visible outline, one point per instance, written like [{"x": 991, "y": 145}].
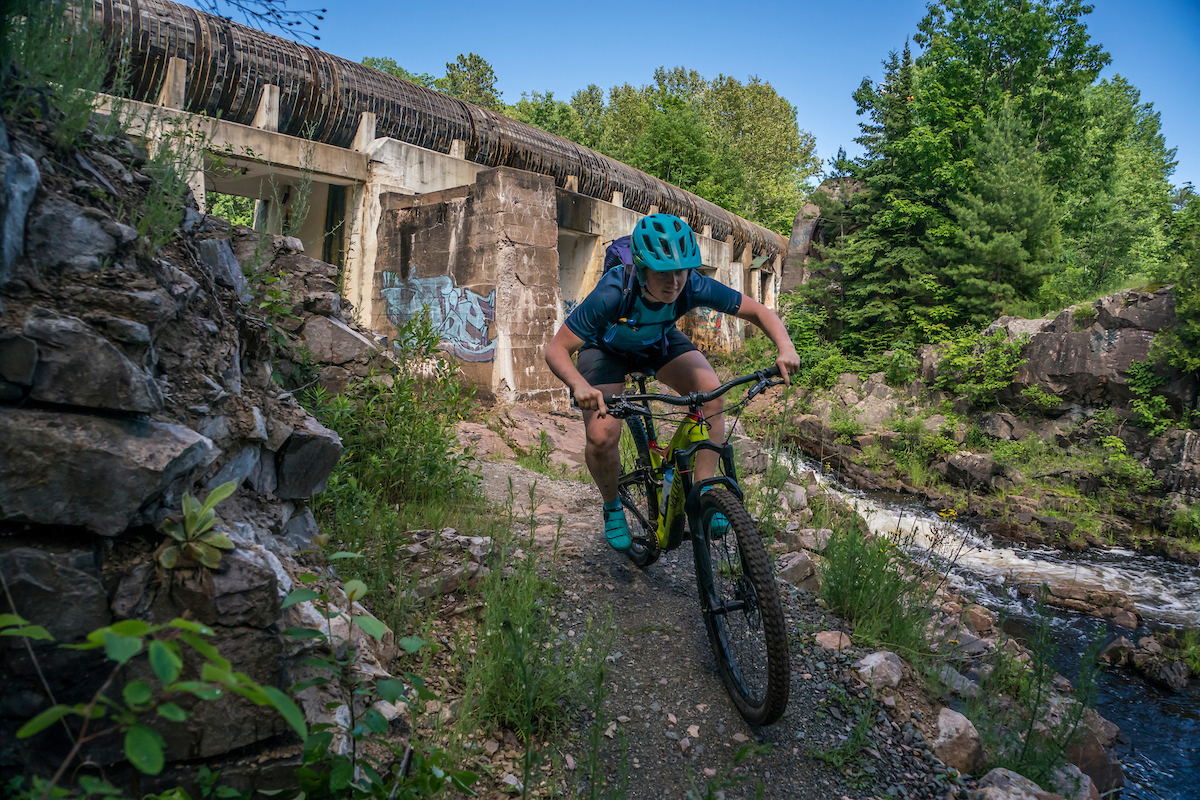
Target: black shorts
[{"x": 599, "y": 367}]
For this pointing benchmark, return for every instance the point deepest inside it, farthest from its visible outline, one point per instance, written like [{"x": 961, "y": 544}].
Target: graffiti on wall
[
  {"x": 460, "y": 315},
  {"x": 703, "y": 326}
]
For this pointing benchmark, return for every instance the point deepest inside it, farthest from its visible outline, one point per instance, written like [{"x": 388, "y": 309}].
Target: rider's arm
[
  {"x": 753, "y": 311},
  {"x": 558, "y": 358}
]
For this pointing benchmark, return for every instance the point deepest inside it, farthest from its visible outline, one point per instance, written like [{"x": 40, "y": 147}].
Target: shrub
[
  {"x": 1150, "y": 410},
  {"x": 398, "y": 429},
  {"x": 979, "y": 366}
]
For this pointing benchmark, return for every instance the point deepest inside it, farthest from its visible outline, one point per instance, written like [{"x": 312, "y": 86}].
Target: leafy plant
[
  {"x": 1122, "y": 471},
  {"x": 1031, "y": 735},
  {"x": 177, "y": 154},
  {"x": 195, "y": 539},
  {"x": 359, "y": 771},
  {"x": 870, "y": 581},
  {"x": 139, "y": 701},
  {"x": 979, "y": 366},
  {"x": 1040, "y": 398},
  {"x": 54, "y": 61},
  {"x": 845, "y": 425},
  {"x": 1149, "y": 409}
]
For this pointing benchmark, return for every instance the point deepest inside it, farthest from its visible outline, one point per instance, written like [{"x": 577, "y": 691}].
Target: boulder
[
  {"x": 957, "y": 743},
  {"x": 1004, "y": 426},
  {"x": 980, "y": 620},
  {"x": 956, "y": 683},
  {"x": 1091, "y": 365},
  {"x": 796, "y": 496},
  {"x": 94, "y": 472},
  {"x": 78, "y": 367},
  {"x": 59, "y": 590},
  {"x": 245, "y": 591},
  {"x": 306, "y": 459},
  {"x": 972, "y": 470},
  {"x": 797, "y": 569},
  {"x": 1094, "y": 754},
  {"x": 333, "y": 342},
  {"x": 19, "y": 177},
  {"x": 18, "y": 359},
  {"x": 1118, "y": 652},
  {"x": 1073, "y": 784},
  {"x": 217, "y": 255},
  {"x": 63, "y": 237},
  {"x": 1004, "y": 784},
  {"x": 881, "y": 669}
]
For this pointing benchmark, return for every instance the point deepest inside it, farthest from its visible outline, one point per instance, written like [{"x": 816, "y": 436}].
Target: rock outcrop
[{"x": 128, "y": 378}]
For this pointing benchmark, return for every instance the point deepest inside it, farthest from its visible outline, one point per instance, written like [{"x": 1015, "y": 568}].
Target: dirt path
[{"x": 665, "y": 695}]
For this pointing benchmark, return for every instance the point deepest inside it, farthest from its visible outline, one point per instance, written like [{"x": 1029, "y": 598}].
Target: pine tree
[{"x": 1006, "y": 237}]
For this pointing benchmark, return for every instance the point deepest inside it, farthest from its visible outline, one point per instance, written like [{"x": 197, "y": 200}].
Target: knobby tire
[
  {"x": 639, "y": 494},
  {"x": 750, "y": 643}
]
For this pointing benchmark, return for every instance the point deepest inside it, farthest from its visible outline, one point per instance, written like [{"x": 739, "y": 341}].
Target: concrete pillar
[
  {"x": 653, "y": 210},
  {"x": 572, "y": 184},
  {"x": 267, "y": 115},
  {"x": 618, "y": 200},
  {"x": 174, "y": 89},
  {"x": 458, "y": 149},
  {"x": 366, "y": 131},
  {"x": 174, "y": 95},
  {"x": 707, "y": 232}
]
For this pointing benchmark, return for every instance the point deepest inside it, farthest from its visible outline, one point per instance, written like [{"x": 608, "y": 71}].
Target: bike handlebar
[{"x": 620, "y": 405}]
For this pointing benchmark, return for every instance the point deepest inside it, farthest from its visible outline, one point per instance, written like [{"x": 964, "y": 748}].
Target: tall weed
[
  {"x": 52, "y": 63},
  {"x": 871, "y": 581}
]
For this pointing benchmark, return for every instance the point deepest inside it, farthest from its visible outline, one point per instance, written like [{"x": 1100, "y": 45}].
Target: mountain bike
[{"x": 738, "y": 596}]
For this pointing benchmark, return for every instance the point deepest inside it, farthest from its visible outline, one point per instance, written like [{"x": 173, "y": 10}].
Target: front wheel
[
  {"x": 638, "y": 492},
  {"x": 741, "y": 608}
]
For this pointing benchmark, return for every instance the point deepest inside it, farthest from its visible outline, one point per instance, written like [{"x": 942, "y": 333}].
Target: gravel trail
[{"x": 666, "y": 699}]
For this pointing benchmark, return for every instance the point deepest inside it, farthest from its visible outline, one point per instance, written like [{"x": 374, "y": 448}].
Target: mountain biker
[{"x": 668, "y": 284}]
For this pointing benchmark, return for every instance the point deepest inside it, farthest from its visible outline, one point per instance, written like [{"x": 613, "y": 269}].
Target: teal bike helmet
[{"x": 664, "y": 243}]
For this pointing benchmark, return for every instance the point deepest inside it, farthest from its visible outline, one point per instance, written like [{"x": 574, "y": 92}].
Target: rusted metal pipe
[{"x": 321, "y": 97}]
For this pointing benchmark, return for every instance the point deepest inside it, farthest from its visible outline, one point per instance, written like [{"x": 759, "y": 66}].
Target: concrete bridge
[{"x": 423, "y": 200}]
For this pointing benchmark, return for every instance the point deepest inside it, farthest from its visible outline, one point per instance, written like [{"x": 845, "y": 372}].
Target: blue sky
[{"x": 814, "y": 54}]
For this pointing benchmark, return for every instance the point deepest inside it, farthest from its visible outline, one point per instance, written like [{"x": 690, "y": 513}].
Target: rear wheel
[
  {"x": 742, "y": 612},
  {"x": 638, "y": 492}
]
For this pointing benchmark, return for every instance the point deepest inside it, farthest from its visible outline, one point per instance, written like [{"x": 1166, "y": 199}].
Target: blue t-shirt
[{"x": 597, "y": 320}]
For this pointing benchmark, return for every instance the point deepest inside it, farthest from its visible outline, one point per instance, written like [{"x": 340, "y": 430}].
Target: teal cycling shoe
[
  {"x": 616, "y": 530},
  {"x": 718, "y": 525}
]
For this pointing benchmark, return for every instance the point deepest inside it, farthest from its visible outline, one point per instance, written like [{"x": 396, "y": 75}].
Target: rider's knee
[{"x": 603, "y": 438}]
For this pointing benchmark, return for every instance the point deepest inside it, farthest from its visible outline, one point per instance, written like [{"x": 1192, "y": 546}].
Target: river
[{"x": 1160, "y": 730}]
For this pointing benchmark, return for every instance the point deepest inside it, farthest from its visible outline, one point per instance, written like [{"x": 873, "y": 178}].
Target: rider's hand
[
  {"x": 589, "y": 398},
  {"x": 789, "y": 364}
]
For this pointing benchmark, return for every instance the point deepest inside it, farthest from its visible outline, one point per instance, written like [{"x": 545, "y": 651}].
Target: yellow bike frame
[{"x": 693, "y": 429}]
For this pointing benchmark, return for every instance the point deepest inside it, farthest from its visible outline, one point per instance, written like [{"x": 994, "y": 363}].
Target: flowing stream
[{"x": 1160, "y": 730}]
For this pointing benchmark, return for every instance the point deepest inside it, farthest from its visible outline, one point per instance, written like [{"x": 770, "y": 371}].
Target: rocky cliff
[{"x": 129, "y": 376}]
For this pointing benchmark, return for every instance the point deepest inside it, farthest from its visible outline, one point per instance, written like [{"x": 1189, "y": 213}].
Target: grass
[{"x": 871, "y": 581}]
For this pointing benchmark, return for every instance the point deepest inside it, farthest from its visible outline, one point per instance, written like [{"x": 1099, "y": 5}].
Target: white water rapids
[{"x": 1163, "y": 591}]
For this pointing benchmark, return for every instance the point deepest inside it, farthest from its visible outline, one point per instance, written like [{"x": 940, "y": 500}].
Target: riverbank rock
[
  {"x": 881, "y": 669},
  {"x": 1090, "y": 599},
  {"x": 1003, "y": 784},
  {"x": 957, "y": 743}
]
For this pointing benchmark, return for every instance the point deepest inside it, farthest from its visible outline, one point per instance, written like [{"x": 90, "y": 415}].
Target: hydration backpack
[{"x": 620, "y": 254}]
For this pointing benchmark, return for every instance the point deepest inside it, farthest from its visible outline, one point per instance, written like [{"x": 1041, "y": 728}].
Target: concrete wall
[{"x": 483, "y": 259}]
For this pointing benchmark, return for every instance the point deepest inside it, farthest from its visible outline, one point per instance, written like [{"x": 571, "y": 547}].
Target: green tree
[
  {"x": 592, "y": 114},
  {"x": 937, "y": 159},
  {"x": 1118, "y": 209},
  {"x": 390, "y": 66},
  {"x": 471, "y": 78},
  {"x": 1180, "y": 346},
  {"x": 1006, "y": 234},
  {"x": 674, "y": 146},
  {"x": 543, "y": 111}
]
